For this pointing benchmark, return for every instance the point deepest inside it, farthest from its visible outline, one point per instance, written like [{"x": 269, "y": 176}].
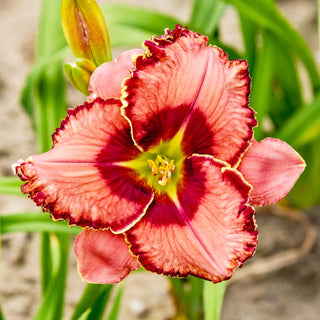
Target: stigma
[{"x": 162, "y": 168}]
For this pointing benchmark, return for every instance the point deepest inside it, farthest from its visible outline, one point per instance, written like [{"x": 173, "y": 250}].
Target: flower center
[{"x": 162, "y": 167}]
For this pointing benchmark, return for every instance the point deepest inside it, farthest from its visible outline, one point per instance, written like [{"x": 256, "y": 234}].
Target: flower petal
[
  {"x": 103, "y": 257},
  {"x": 106, "y": 80},
  {"x": 80, "y": 178},
  {"x": 181, "y": 83},
  {"x": 272, "y": 167},
  {"x": 208, "y": 231}
]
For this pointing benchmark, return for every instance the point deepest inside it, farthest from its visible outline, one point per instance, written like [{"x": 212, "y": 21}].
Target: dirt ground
[{"x": 290, "y": 293}]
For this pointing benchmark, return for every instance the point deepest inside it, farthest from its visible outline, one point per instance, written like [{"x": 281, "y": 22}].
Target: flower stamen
[{"x": 162, "y": 168}]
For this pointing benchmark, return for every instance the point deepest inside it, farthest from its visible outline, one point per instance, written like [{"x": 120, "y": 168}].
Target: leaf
[
  {"x": 89, "y": 297},
  {"x": 34, "y": 222},
  {"x": 206, "y": 15},
  {"x": 286, "y": 88},
  {"x": 113, "y": 315},
  {"x": 213, "y": 294},
  {"x": 303, "y": 127},
  {"x": 1, "y": 315},
  {"x": 100, "y": 304},
  {"x": 50, "y": 34},
  {"x": 306, "y": 192},
  {"x": 137, "y": 18},
  {"x": 44, "y": 94},
  {"x": 249, "y": 34},
  {"x": 51, "y": 307},
  {"x": 85, "y": 315},
  {"x": 302, "y": 131},
  {"x": 187, "y": 294},
  {"x": 10, "y": 185},
  {"x": 266, "y": 15},
  {"x": 262, "y": 79}
]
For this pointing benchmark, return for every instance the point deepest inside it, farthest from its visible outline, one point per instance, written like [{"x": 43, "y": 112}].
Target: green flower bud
[
  {"x": 79, "y": 73},
  {"x": 85, "y": 30}
]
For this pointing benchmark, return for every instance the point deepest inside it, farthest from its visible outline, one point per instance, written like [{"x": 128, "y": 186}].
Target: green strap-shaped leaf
[
  {"x": 114, "y": 313},
  {"x": 10, "y": 185},
  {"x": 100, "y": 304},
  {"x": 266, "y": 15},
  {"x": 34, "y": 222},
  {"x": 249, "y": 34},
  {"x": 89, "y": 297},
  {"x": 206, "y": 15},
  {"x": 148, "y": 21},
  {"x": 45, "y": 101},
  {"x": 306, "y": 192},
  {"x": 187, "y": 294},
  {"x": 50, "y": 34},
  {"x": 262, "y": 79},
  {"x": 304, "y": 125},
  {"x": 1, "y": 315},
  {"x": 213, "y": 295},
  {"x": 287, "y": 81},
  {"x": 51, "y": 307}
]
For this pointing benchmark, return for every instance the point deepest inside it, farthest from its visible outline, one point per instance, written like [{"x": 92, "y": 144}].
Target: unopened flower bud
[
  {"x": 79, "y": 73},
  {"x": 85, "y": 30}
]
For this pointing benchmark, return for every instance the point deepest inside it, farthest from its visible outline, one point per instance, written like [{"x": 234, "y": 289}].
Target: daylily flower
[{"x": 160, "y": 166}]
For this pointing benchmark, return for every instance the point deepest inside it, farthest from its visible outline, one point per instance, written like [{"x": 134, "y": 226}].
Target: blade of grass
[{"x": 213, "y": 294}]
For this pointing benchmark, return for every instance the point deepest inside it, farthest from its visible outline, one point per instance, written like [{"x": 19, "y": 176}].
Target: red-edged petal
[
  {"x": 181, "y": 82},
  {"x": 272, "y": 167},
  {"x": 80, "y": 178},
  {"x": 106, "y": 80},
  {"x": 207, "y": 232},
  {"x": 103, "y": 257}
]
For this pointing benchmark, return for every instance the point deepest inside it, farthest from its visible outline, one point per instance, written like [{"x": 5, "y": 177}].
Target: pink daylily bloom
[{"x": 161, "y": 169}]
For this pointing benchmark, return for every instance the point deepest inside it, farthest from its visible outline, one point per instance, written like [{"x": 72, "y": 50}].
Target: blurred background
[{"x": 280, "y": 95}]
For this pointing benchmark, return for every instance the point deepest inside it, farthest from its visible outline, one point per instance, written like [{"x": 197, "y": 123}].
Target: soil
[{"x": 291, "y": 293}]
